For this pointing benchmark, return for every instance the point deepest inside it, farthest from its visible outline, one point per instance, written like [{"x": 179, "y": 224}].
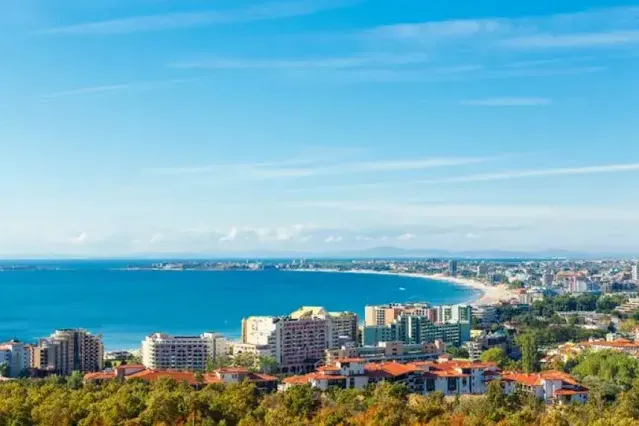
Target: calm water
[{"x": 127, "y": 305}]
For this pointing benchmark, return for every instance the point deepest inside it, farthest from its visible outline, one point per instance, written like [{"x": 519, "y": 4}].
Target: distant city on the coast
[{"x": 576, "y": 307}]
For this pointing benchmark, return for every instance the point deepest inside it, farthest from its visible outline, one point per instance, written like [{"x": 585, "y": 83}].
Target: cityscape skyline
[{"x": 318, "y": 126}]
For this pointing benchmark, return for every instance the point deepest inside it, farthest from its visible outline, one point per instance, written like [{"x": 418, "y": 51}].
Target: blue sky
[{"x": 155, "y": 126}]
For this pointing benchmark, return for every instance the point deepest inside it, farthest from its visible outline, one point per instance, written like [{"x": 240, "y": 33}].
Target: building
[
  {"x": 303, "y": 343},
  {"x": 549, "y": 386},
  {"x": 297, "y": 342},
  {"x": 485, "y": 314},
  {"x": 630, "y": 306},
  {"x": 448, "y": 377},
  {"x": 388, "y": 351},
  {"x": 16, "y": 356},
  {"x": 547, "y": 279},
  {"x": 416, "y": 329},
  {"x": 166, "y": 352},
  {"x": 387, "y": 314},
  {"x": 68, "y": 350},
  {"x": 482, "y": 270},
  {"x": 452, "y": 267},
  {"x": 342, "y": 326},
  {"x": 635, "y": 273},
  {"x": 380, "y": 315}
]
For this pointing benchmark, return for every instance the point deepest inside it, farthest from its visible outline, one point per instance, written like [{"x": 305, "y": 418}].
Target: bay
[{"x": 124, "y": 306}]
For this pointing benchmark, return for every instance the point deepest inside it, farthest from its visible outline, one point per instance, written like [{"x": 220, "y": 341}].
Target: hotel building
[{"x": 166, "y": 352}]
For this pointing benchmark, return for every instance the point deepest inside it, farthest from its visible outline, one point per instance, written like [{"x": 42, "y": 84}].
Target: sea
[{"x": 126, "y": 305}]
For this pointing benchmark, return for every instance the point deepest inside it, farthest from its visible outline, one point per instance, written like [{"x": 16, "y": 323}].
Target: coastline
[{"x": 489, "y": 295}]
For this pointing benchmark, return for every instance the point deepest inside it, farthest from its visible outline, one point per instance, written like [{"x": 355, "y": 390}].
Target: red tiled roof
[
  {"x": 129, "y": 366},
  {"x": 100, "y": 375},
  {"x": 536, "y": 378}
]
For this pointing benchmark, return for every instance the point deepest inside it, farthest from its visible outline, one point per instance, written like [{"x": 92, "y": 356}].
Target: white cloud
[
  {"x": 231, "y": 236},
  {"x": 334, "y": 239},
  {"x": 545, "y": 41},
  {"x": 172, "y": 21},
  {"x": 507, "y": 101},
  {"x": 593, "y": 28},
  {"x": 472, "y": 236},
  {"x": 354, "y": 61},
  {"x": 406, "y": 237},
  {"x": 80, "y": 238},
  {"x": 518, "y": 174},
  {"x": 139, "y": 85},
  {"x": 156, "y": 239},
  {"x": 275, "y": 170}
]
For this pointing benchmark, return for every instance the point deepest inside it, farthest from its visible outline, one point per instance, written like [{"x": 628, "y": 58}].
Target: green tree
[
  {"x": 4, "y": 369},
  {"x": 75, "y": 380},
  {"x": 496, "y": 355},
  {"x": 529, "y": 352}
]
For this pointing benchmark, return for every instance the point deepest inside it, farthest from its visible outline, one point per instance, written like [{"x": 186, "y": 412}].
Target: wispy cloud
[
  {"x": 579, "y": 40},
  {"x": 278, "y": 170},
  {"x": 592, "y": 28},
  {"x": 507, "y": 101},
  {"x": 355, "y": 61},
  {"x": 265, "y": 11},
  {"x": 140, "y": 85},
  {"x": 518, "y": 174}
]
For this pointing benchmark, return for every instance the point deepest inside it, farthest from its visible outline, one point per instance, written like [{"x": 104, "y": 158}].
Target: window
[
  {"x": 430, "y": 385},
  {"x": 452, "y": 384}
]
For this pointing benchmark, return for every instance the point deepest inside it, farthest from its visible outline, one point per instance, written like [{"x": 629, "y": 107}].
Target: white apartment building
[
  {"x": 635, "y": 272},
  {"x": 16, "y": 356},
  {"x": 166, "y": 352}
]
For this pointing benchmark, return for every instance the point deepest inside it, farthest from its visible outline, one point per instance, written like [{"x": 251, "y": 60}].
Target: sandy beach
[{"x": 489, "y": 294}]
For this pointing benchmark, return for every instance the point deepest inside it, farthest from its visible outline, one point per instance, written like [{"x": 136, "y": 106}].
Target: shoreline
[{"x": 488, "y": 295}]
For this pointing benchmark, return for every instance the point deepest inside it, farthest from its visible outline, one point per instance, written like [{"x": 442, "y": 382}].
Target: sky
[{"x": 134, "y": 127}]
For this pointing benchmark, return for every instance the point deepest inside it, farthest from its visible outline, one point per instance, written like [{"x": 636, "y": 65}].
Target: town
[{"x": 560, "y": 312}]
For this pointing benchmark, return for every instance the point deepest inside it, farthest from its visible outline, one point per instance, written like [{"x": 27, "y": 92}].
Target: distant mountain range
[{"x": 371, "y": 253}]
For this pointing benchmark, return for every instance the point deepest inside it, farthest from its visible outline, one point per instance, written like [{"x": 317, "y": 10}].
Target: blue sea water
[{"x": 124, "y": 306}]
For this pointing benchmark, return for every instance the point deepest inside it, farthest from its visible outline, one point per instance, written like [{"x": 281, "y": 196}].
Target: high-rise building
[
  {"x": 548, "y": 278},
  {"x": 375, "y": 315},
  {"x": 166, "y": 352},
  {"x": 482, "y": 270},
  {"x": 16, "y": 356},
  {"x": 635, "y": 272},
  {"x": 69, "y": 350},
  {"x": 298, "y": 341},
  {"x": 413, "y": 329},
  {"x": 452, "y": 267},
  {"x": 381, "y": 315}
]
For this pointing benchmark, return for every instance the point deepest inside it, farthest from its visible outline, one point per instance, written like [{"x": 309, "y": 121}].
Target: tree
[
  {"x": 457, "y": 352},
  {"x": 4, "y": 370},
  {"x": 75, "y": 380},
  {"x": 496, "y": 355},
  {"x": 529, "y": 356}
]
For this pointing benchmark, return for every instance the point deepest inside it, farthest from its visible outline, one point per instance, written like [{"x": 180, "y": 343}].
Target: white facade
[
  {"x": 635, "y": 272},
  {"x": 165, "y": 352},
  {"x": 16, "y": 356}
]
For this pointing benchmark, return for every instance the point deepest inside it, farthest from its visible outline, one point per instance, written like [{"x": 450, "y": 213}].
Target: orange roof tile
[{"x": 100, "y": 375}]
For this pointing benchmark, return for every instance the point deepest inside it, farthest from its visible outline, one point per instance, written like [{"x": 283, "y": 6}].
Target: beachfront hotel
[
  {"x": 378, "y": 315},
  {"x": 65, "y": 351},
  {"x": 416, "y": 323},
  {"x": 298, "y": 341},
  {"x": 166, "y": 352}
]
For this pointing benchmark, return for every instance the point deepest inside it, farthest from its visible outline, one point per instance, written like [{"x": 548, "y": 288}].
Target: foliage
[
  {"x": 529, "y": 352},
  {"x": 4, "y": 369},
  {"x": 166, "y": 402},
  {"x": 496, "y": 355}
]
